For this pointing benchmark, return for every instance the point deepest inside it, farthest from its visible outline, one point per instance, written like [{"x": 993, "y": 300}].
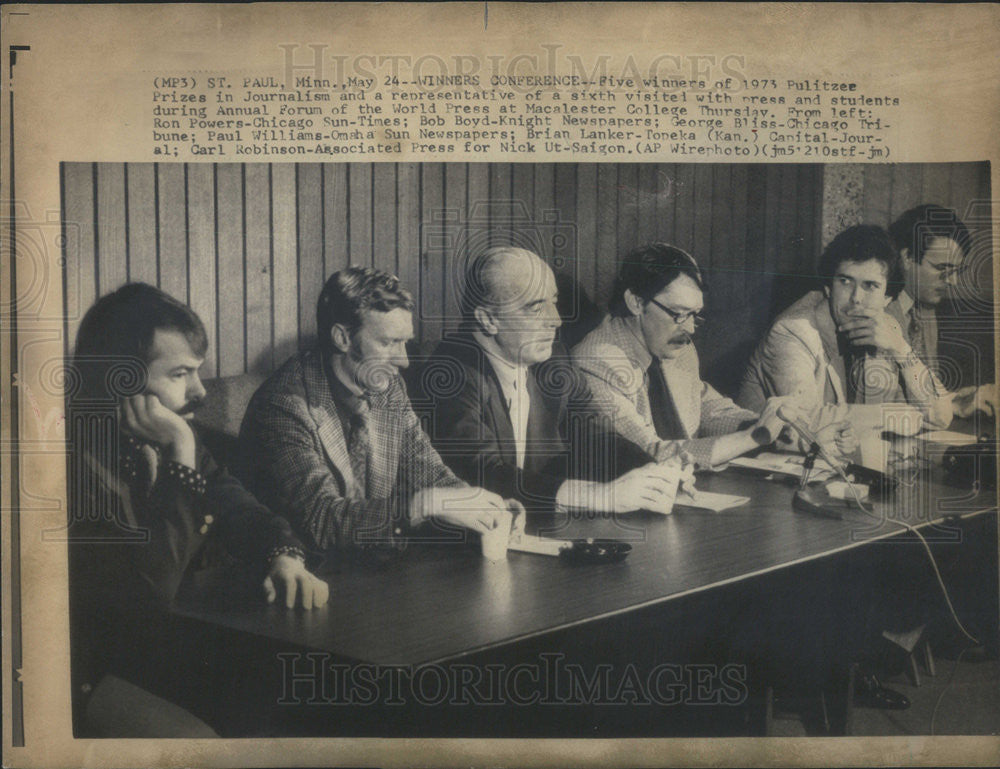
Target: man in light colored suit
[
  {"x": 933, "y": 244},
  {"x": 331, "y": 438},
  {"x": 840, "y": 347},
  {"x": 643, "y": 368}
]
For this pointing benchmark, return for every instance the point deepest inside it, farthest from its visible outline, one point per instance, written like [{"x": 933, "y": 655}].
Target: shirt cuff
[{"x": 186, "y": 478}]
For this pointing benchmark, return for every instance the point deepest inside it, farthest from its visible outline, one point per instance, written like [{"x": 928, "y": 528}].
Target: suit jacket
[
  {"x": 800, "y": 356},
  {"x": 131, "y": 550},
  {"x": 615, "y": 361},
  {"x": 295, "y": 456},
  {"x": 470, "y": 425}
]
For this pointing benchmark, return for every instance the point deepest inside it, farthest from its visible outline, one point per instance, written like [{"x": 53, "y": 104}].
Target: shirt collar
[
  {"x": 627, "y": 330},
  {"x": 345, "y": 393},
  {"x": 906, "y": 302},
  {"x": 510, "y": 375}
]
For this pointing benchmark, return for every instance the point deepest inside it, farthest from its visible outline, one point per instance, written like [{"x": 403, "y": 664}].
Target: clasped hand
[{"x": 467, "y": 507}]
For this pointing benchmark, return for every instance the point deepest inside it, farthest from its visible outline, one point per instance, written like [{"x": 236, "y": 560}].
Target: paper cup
[{"x": 494, "y": 542}]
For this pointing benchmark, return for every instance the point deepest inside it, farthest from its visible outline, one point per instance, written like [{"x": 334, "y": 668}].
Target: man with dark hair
[
  {"x": 331, "y": 440},
  {"x": 933, "y": 243},
  {"x": 511, "y": 415},
  {"x": 148, "y": 503},
  {"x": 839, "y": 346},
  {"x": 643, "y": 368}
]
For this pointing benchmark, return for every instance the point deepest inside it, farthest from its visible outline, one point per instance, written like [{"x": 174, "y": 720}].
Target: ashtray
[{"x": 596, "y": 551}]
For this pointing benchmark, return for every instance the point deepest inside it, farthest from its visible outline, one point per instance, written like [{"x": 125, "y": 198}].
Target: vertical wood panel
[
  {"x": 284, "y": 247},
  {"x": 500, "y": 197},
  {"x": 455, "y": 231},
  {"x": 684, "y": 211},
  {"x": 567, "y": 253},
  {"x": 878, "y": 194},
  {"x": 142, "y": 222},
  {"x": 384, "y": 217},
  {"x": 648, "y": 192},
  {"x": 201, "y": 254},
  {"x": 666, "y": 202},
  {"x": 907, "y": 190},
  {"x": 523, "y": 208},
  {"x": 477, "y": 218},
  {"x": 172, "y": 203},
  {"x": 259, "y": 343},
  {"x": 111, "y": 240},
  {"x": 606, "y": 253},
  {"x": 937, "y": 183},
  {"x": 359, "y": 201},
  {"x": 310, "y": 247},
  {"x": 408, "y": 244},
  {"x": 628, "y": 208},
  {"x": 701, "y": 245},
  {"x": 229, "y": 247},
  {"x": 251, "y": 259},
  {"x": 335, "y": 226},
  {"x": 432, "y": 245},
  {"x": 78, "y": 225},
  {"x": 586, "y": 217}
]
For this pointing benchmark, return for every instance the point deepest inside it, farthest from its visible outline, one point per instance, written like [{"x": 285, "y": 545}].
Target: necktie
[
  {"x": 916, "y": 334},
  {"x": 359, "y": 443},
  {"x": 666, "y": 421}
]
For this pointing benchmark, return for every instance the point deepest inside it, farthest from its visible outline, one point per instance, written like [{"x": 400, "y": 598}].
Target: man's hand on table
[
  {"x": 288, "y": 577},
  {"x": 968, "y": 400},
  {"x": 468, "y": 507}
]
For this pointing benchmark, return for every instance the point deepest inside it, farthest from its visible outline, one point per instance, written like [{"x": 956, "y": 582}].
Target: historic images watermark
[{"x": 314, "y": 678}]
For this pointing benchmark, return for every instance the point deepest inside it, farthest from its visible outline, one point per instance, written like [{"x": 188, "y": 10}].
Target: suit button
[{"x": 204, "y": 529}]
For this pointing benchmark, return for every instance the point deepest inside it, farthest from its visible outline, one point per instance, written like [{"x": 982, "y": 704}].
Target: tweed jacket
[
  {"x": 614, "y": 359},
  {"x": 295, "y": 455},
  {"x": 132, "y": 550},
  {"x": 471, "y": 427},
  {"x": 800, "y": 356}
]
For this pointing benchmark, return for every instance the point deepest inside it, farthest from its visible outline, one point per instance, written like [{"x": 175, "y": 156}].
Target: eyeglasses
[
  {"x": 949, "y": 270},
  {"x": 680, "y": 318}
]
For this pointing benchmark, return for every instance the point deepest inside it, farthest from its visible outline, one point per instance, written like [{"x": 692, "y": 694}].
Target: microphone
[{"x": 789, "y": 416}]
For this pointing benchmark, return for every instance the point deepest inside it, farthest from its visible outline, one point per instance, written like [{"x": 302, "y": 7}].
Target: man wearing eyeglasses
[
  {"x": 839, "y": 347},
  {"x": 643, "y": 368},
  {"x": 932, "y": 243}
]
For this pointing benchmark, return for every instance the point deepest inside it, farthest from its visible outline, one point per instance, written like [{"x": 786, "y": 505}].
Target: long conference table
[{"x": 436, "y": 604}]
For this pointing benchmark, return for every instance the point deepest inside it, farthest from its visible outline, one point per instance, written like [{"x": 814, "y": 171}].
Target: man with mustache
[
  {"x": 643, "y": 368},
  {"x": 933, "y": 244},
  {"x": 839, "y": 347},
  {"x": 510, "y": 413},
  {"x": 331, "y": 440},
  {"x": 149, "y": 506}
]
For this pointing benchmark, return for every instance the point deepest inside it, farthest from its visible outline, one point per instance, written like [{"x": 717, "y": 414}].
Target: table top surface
[{"x": 435, "y": 603}]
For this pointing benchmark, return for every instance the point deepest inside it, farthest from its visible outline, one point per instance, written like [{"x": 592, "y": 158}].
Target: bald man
[{"x": 509, "y": 415}]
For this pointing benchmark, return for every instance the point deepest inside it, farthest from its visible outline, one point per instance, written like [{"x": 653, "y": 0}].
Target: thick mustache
[{"x": 191, "y": 406}]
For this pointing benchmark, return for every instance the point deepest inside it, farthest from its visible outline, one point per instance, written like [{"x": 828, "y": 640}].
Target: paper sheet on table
[
  {"x": 709, "y": 500},
  {"x": 790, "y": 464},
  {"x": 948, "y": 437}
]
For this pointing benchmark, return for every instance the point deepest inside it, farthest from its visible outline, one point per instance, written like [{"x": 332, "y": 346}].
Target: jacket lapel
[{"x": 324, "y": 412}]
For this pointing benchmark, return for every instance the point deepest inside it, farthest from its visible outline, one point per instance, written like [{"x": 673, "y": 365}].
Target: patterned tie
[
  {"x": 666, "y": 420},
  {"x": 916, "y": 334},
  {"x": 359, "y": 443}
]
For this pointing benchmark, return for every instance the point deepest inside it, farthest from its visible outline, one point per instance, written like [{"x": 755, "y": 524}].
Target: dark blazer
[
  {"x": 131, "y": 551},
  {"x": 460, "y": 400}
]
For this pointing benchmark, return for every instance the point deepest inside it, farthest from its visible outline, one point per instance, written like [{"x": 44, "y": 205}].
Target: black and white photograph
[{"x": 530, "y": 450}]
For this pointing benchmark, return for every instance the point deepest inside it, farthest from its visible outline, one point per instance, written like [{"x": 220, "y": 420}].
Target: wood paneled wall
[{"x": 249, "y": 246}]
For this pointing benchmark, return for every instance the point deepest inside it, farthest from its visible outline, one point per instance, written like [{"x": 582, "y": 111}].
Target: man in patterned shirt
[{"x": 149, "y": 506}]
